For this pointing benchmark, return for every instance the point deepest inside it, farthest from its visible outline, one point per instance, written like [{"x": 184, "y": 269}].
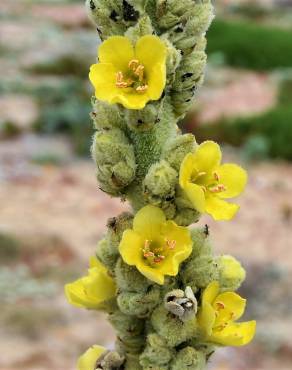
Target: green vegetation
[
  {"x": 251, "y": 46},
  {"x": 274, "y": 127},
  {"x": 66, "y": 109}
]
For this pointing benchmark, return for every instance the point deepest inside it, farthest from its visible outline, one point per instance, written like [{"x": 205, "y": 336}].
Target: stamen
[
  {"x": 140, "y": 72},
  {"x": 201, "y": 174},
  {"x": 142, "y": 89},
  {"x": 171, "y": 243},
  {"x": 133, "y": 64},
  {"x": 216, "y": 176},
  {"x": 217, "y": 189},
  {"x": 120, "y": 81},
  {"x": 159, "y": 258},
  {"x": 220, "y": 305}
]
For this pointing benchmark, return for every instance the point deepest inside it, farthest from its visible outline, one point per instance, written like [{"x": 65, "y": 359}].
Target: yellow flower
[
  {"x": 207, "y": 183},
  {"x": 155, "y": 246},
  {"x": 93, "y": 290},
  {"x": 130, "y": 75},
  {"x": 218, "y": 314},
  {"x": 89, "y": 359}
]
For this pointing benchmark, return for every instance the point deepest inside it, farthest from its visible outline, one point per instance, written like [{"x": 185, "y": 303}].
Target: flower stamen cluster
[{"x": 134, "y": 77}]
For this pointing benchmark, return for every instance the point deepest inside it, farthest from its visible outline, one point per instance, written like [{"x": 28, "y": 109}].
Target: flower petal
[
  {"x": 234, "y": 306},
  {"x": 150, "y": 50},
  {"x": 235, "y": 334},
  {"x": 211, "y": 292},
  {"x": 151, "y": 273},
  {"x": 88, "y": 360},
  {"x": 197, "y": 196},
  {"x": 206, "y": 318},
  {"x": 219, "y": 209},
  {"x": 103, "y": 78},
  {"x": 186, "y": 170},
  {"x": 131, "y": 247},
  {"x": 156, "y": 80},
  {"x": 148, "y": 222},
  {"x": 118, "y": 51},
  {"x": 234, "y": 178},
  {"x": 207, "y": 156},
  {"x": 130, "y": 100}
]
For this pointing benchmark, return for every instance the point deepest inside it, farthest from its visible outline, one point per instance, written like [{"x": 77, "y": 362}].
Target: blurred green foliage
[
  {"x": 249, "y": 45},
  {"x": 274, "y": 127},
  {"x": 65, "y": 108}
]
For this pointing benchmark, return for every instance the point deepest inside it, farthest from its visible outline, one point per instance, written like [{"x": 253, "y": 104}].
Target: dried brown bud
[{"x": 181, "y": 303}]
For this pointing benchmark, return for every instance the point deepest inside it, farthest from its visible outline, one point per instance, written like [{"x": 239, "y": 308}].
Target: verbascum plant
[{"x": 170, "y": 300}]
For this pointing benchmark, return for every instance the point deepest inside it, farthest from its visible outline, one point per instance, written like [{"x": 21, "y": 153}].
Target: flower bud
[
  {"x": 171, "y": 328},
  {"x": 189, "y": 358},
  {"x": 115, "y": 160},
  {"x": 139, "y": 304},
  {"x": 160, "y": 180},
  {"x": 156, "y": 353},
  {"x": 231, "y": 273},
  {"x": 106, "y": 116},
  {"x": 110, "y": 360},
  {"x": 177, "y": 148},
  {"x": 143, "y": 119}
]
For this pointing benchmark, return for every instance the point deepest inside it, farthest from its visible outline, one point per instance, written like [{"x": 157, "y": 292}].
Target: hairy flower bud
[
  {"x": 156, "y": 353},
  {"x": 115, "y": 160},
  {"x": 189, "y": 359},
  {"x": 110, "y": 360}
]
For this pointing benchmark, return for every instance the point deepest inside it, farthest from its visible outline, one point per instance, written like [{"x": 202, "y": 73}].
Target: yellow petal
[
  {"x": 148, "y": 222},
  {"x": 234, "y": 178},
  {"x": 131, "y": 247},
  {"x": 151, "y": 51},
  {"x": 93, "y": 290},
  {"x": 219, "y": 209},
  {"x": 151, "y": 273},
  {"x": 186, "y": 170},
  {"x": 211, "y": 292},
  {"x": 196, "y": 195},
  {"x": 99, "y": 284},
  {"x": 130, "y": 99},
  {"x": 235, "y": 334},
  {"x": 103, "y": 78},
  {"x": 118, "y": 51},
  {"x": 156, "y": 80},
  {"x": 234, "y": 306},
  {"x": 88, "y": 360},
  {"x": 182, "y": 249},
  {"x": 206, "y": 318},
  {"x": 207, "y": 156}
]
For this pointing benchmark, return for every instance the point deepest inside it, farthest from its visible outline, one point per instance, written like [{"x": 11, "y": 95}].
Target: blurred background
[{"x": 52, "y": 213}]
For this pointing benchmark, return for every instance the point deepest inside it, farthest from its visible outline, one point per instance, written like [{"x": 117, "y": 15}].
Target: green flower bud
[
  {"x": 115, "y": 160},
  {"x": 132, "y": 362},
  {"x": 106, "y": 116},
  {"x": 130, "y": 331},
  {"x": 110, "y": 360},
  {"x": 231, "y": 273},
  {"x": 113, "y": 17},
  {"x": 171, "y": 328},
  {"x": 156, "y": 352},
  {"x": 108, "y": 248},
  {"x": 160, "y": 180},
  {"x": 139, "y": 304},
  {"x": 129, "y": 278},
  {"x": 201, "y": 268},
  {"x": 176, "y": 149},
  {"x": 142, "y": 28},
  {"x": 189, "y": 359},
  {"x": 143, "y": 119}
]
